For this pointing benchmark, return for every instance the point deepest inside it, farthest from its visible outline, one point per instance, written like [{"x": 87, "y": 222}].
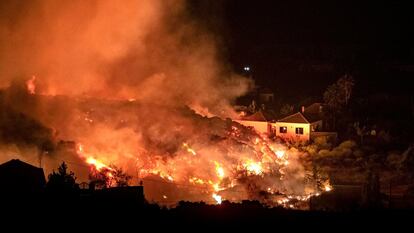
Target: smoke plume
[{"x": 149, "y": 50}]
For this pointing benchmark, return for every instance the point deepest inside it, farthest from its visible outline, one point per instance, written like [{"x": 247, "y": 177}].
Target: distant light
[{"x": 247, "y": 68}]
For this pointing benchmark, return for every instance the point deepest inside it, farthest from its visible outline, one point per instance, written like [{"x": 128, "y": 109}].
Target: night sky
[{"x": 280, "y": 40}]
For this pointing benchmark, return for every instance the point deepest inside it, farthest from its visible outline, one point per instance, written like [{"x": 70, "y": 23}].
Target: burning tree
[{"x": 111, "y": 176}]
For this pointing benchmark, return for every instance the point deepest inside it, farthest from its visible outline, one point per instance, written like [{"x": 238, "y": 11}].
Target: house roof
[
  {"x": 313, "y": 112},
  {"x": 314, "y": 108},
  {"x": 295, "y": 118},
  {"x": 19, "y": 175},
  {"x": 14, "y": 163},
  {"x": 301, "y": 118},
  {"x": 312, "y": 117},
  {"x": 259, "y": 116}
]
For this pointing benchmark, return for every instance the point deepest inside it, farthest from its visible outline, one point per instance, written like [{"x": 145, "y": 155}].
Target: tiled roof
[
  {"x": 314, "y": 108},
  {"x": 295, "y": 118},
  {"x": 312, "y": 117},
  {"x": 257, "y": 116},
  {"x": 260, "y": 115}
]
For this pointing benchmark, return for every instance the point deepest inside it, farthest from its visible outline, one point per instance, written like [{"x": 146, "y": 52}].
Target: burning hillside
[
  {"x": 179, "y": 154},
  {"x": 139, "y": 85}
]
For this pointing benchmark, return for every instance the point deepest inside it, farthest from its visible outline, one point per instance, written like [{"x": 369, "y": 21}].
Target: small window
[
  {"x": 299, "y": 130},
  {"x": 283, "y": 129}
]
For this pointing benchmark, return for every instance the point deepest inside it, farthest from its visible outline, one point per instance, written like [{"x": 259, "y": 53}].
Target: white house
[
  {"x": 258, "y": 121},
  {"x": 303, "y": 126},
  {"x": 295, "y": 127}
]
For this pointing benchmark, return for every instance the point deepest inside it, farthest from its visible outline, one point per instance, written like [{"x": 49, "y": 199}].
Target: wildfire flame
[
  {"x": 217, "y": 198},
  {"x": 219, "y": 170},
  {"x": 253, "y": 167},
  {"x": 130, "y": 115},
  {"x": 97, "y": 164},
  {"x": 31, "y": 86},
  {"x": 267, "y": 159},
  {"x": 327, "y": 186},
  {"x": 280, "y": 154},
  {"x": 189, "y": 149},
  {"x": 196, "y": 180}
]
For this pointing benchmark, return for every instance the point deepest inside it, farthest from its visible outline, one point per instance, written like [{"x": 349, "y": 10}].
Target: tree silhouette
[
  {"x": 345, "y": 84},
  {"x": 62, "y": 181},
  {"x": 337, "y": 96},
  {"x": 109, "y": 177},
  {"x": 120, "y": 178}
]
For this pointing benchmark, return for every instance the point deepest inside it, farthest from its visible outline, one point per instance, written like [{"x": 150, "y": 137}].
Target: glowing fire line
[{"x": 265, "y": 156}]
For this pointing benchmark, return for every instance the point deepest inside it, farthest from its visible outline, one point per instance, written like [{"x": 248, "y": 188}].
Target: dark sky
[
  {"x": 311, "y": 22},
  {"x": 277, "y": 37}
]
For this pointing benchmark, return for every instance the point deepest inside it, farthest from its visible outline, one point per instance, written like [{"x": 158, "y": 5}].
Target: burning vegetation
[
  {"x": 148, "y": 102},
  {"x": 189, "y": 157},
  {"x": 233, "y": 164}
]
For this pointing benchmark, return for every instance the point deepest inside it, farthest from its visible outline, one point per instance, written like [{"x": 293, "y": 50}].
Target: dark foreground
[{"x": 246, "y": 215}]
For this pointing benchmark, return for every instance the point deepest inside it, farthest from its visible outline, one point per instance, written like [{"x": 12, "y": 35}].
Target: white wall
[
  {"x": 259, "y": 126},
  {"x": 291, "y": 131}
]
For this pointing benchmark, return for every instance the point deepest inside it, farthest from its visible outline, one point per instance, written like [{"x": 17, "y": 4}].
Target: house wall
[
  {"x": 259, "y": 126},
  {"x": 291, "y": 131}
]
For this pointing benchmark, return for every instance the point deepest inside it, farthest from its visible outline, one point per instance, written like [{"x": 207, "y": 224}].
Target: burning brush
[{"x": 247, "y": 167}]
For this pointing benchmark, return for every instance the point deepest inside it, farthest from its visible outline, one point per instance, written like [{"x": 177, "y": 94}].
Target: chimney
[{"x": 303, "y": 109}]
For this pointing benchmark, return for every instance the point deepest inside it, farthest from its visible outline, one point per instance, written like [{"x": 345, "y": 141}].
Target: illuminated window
[
  {"x": 299, "y": 130},
  {"x": 283, "y": 129}
]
